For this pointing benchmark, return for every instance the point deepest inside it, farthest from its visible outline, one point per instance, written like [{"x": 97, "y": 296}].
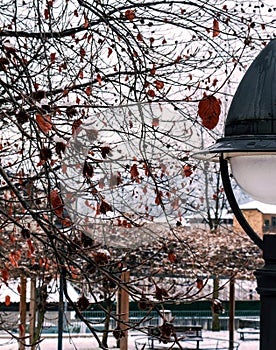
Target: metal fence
[{"x": 203, "y": 318}]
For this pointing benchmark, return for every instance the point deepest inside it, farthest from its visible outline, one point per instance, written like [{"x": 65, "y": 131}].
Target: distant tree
[{"x": 115, "y": 96}]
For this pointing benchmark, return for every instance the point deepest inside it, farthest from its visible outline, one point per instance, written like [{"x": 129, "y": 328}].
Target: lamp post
[{"x": 249, "y": 146}]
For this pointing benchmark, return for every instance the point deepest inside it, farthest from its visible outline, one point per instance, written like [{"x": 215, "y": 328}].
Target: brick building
[{"x": 260, "y": 216}]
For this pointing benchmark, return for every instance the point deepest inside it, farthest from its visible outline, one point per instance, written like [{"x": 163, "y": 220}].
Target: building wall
[
  {"x": 270, "y": 223},
  {"x": 254, "y": 217}
]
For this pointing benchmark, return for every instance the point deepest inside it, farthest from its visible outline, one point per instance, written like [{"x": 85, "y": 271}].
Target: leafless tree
[{"x": 101, "y": 104}]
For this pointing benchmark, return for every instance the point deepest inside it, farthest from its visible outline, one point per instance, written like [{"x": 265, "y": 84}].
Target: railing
[
  {"x": 100, "y": 315},
  {"x": 203, "y": 318}
]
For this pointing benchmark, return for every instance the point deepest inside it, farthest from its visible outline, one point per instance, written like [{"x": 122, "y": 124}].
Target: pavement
[{"x": 86, "y": 342}]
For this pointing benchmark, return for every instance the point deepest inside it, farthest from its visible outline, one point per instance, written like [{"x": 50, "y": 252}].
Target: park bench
[
  {"x": 248, "y": 326},
  {"x": 183, "y": 333}
]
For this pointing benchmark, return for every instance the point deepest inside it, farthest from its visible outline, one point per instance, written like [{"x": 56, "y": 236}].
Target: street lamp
[{"x": 249, "y": 146}]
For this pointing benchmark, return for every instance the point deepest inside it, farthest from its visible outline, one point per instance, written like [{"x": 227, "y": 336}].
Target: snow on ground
[{"x": 86, "y": 342}]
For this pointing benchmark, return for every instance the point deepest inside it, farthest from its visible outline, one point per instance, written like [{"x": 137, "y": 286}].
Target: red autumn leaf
[
  {"x": 65, "y": 92},
  {"x": 147, "y": 169},
  {"x": 199, "y": 283},
  {"x": 65, "y": 222},
  {"x": 60, "y": 148},
  {"x": 30, "y": 245},
  {"x": 81, "y": 74},
  {"x": 105, "y": 150},
  {"x": 214, "y": 83},
  {"x": 172, "y": 257},
  {"x": 82, "y": 52},
  {"x": 100, "y": 258},
  {"x": 45, "y": 153},
  {"x": 9, "y": 48},
  {"x": 155, "y": 122},
  {"x": 209, "y": 111},
  {"x": 134, "y": 171},
  {"x": 52, "y": 57},
  {"x": 46, "y": 14},
  {"x": 158, "y": 199},
  {"x": 98, "y": 209},
  {"x": 7, "y": 300},
  {"x": 38, "y": 95},
  {"x": 105, "y": 207},
  {"x": 87, "y": 170},
  {"x": 160, "y": 293},
  {"x": 151, "y": 93},
  {"x": 159, "y": 84},
  {"x": 130, "y": 15},
  {"x": 153, "y": 70},
  {"x": 101, "y": 183},
  {"x": 56, "y": 202},
  {"x": 83, "y": 303},
  {"x": 5, "y": 274},
  {"x": 86, "y": 23},
  {"x": 46, "y": 265},
  {"x": 14, "y": 256},
  {"x": 99, "y": 79},
  {"x": 76, "y": 13},
  {"x": 187, "y": 170},
  {"x": 109, "y": 52},
  {"x": 75, "y": 127},
  {"x": 22, "y": 116},
  {"x": 44, "y": 123},
  {"x": 71, "y": 112},
  {"x": 88, "y": 90},
  {"x": 19, "y": 289},
  {"x": 140, "y": 37},
  {"x": 215, "y": 28}
]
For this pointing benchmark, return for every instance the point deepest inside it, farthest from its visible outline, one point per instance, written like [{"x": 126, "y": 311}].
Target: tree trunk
[
  {"x": 32, "y": 312},
  {"x": 22, "y": 312},
  {"x": 123, "y": 311},
  {"x": 107, "y": 322},
  {"x": 215, "y": 316},
  {"x": 41, "y": 297},
  {"x": 232, "y": 313}
]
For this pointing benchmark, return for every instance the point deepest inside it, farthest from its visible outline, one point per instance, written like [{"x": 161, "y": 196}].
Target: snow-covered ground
[{"x": 86, "y": 342}]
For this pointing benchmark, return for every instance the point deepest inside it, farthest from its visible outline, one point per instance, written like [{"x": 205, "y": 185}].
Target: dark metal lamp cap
[{"x": 251, "y": 122}]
